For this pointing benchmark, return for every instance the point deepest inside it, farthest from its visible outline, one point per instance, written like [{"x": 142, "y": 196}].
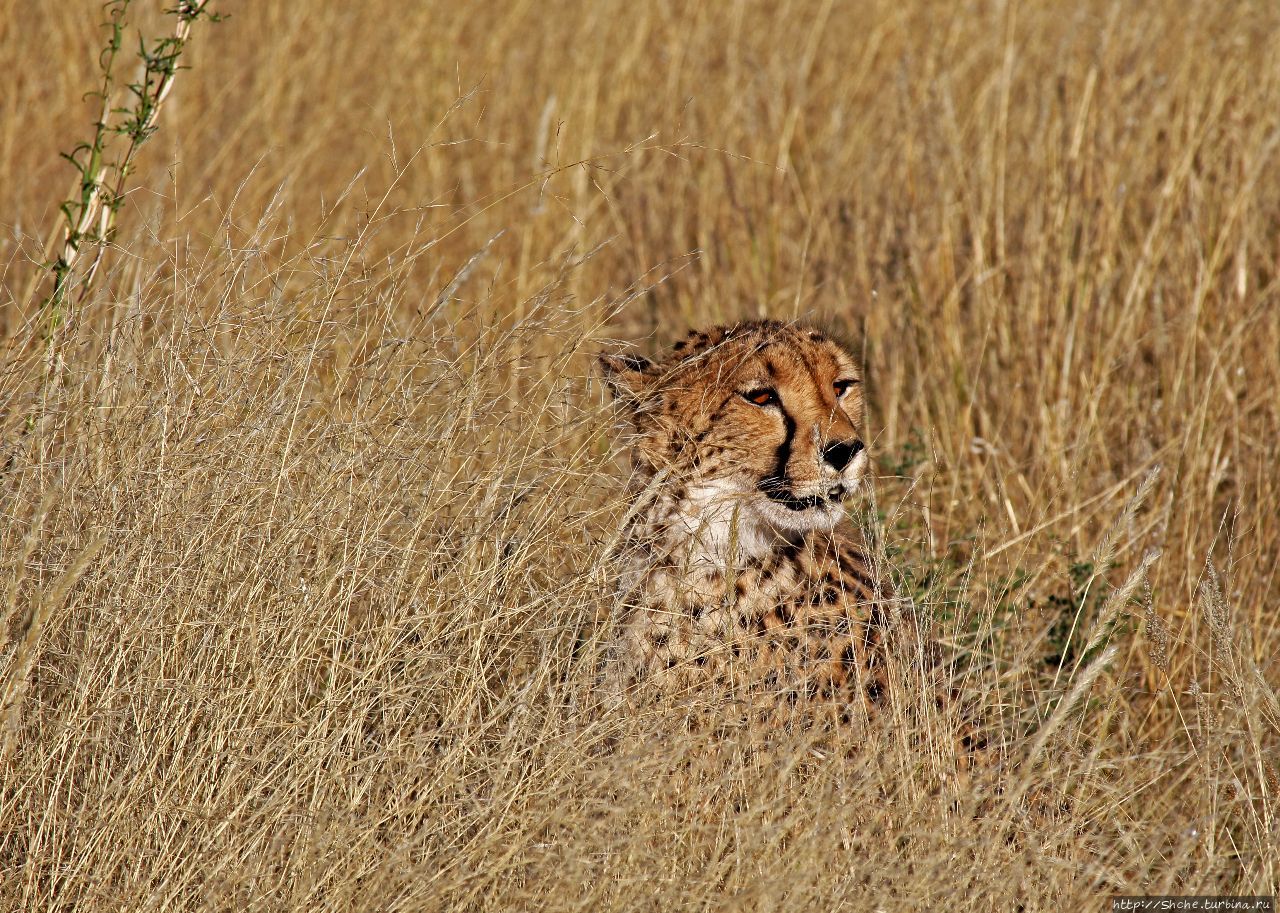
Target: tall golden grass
[{"x": 307, "y": 509}]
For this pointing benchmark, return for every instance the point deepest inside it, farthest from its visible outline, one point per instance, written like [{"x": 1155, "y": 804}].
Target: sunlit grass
[{"x": 305, "y": 540}]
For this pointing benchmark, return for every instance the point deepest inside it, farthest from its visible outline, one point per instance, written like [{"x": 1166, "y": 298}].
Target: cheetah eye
[
  {"x": 761, "y": 396},
  {"x": 843, "y": 386}
]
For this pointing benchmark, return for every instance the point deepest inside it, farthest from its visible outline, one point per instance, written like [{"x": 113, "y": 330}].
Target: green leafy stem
[{"x": 90, "y": 215}]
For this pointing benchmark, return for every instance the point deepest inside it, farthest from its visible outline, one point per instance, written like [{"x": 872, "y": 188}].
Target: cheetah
[{"x": 740, "y": 568}]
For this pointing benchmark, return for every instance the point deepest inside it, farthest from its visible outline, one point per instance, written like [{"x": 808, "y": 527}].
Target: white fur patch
[
  {"x": 724, "y": 521},
  {"x": 721, "y": 526}
]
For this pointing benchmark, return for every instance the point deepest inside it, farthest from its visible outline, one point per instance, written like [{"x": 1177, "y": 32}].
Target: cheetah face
[{"x": 761, "y": 420}]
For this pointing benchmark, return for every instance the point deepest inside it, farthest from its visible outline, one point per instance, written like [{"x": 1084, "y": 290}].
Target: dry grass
[{"x": 303, "y": 541}]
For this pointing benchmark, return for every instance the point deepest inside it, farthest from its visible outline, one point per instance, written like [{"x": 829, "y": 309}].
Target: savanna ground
[{"x": 307, "y": 506}]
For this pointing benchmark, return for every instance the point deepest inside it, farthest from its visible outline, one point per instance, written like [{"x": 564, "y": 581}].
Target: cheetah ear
[{"x": 627, "y": 375}]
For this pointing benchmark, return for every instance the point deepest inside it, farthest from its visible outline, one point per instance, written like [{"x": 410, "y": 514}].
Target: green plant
[{"x": 90, "y": 215}]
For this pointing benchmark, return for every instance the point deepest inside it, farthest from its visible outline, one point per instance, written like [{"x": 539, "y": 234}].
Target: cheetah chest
[{"x": 803, "y": 623}]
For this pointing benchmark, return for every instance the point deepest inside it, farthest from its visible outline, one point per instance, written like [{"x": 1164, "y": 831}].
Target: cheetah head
[{"x": 762, "y": 420}]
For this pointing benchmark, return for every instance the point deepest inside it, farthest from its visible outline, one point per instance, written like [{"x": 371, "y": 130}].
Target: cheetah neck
[{"x": 705, "y": 528}]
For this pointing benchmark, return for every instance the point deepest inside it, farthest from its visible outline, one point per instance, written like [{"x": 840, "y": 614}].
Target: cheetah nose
[{"x": 838, "y": 455}]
